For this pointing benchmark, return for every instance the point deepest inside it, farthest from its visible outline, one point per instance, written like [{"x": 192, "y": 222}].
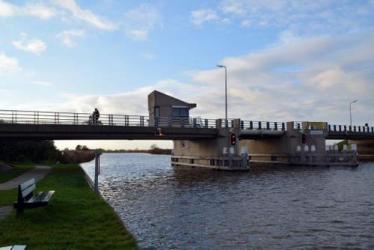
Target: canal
[{"x": 281, "y": 208}]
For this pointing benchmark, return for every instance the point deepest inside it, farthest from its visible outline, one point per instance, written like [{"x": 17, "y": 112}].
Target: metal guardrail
[
  {"x": 66, "y": 118},
  {"x": 70, "y": 118},
  {"x": 350, "y": 129},
  {"x": 263, "y": 125}
]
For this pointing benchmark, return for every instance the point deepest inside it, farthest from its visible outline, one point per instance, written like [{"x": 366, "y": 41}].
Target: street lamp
[
  {"x": 223, "y": 66},
  {"x": 350, "y": 112}
]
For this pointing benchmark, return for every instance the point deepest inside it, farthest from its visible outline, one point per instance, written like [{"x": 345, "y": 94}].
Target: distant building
[{"x": 167, "y": 110}]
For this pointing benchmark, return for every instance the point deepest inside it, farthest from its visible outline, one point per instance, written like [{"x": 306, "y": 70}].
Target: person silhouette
[{"x": 96, "y": 116}]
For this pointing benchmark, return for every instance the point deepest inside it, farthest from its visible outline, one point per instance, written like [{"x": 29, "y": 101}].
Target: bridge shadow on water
[{"x": 192, "y": 176}]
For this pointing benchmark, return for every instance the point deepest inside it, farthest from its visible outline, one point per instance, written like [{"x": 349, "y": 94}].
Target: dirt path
[{"x": 39, "y": 172}]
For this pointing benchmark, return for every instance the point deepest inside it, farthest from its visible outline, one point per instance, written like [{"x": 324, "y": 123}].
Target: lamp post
[
  {"x": 223, "y": 66},
  {"x": 350, "y": 112}
]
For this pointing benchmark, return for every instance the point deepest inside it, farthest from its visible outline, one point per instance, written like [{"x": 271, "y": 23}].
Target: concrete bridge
[
  {"x": 198, "y": 142},
  {"x": 43, "y": 125}
]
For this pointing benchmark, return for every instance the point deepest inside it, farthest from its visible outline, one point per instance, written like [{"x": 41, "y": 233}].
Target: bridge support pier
[
  {"x": 300, "y": 145},
  {"x": 217, "y": 153}
]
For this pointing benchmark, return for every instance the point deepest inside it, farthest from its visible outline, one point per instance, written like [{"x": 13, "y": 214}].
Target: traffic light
[
  {"x": 303, "y": 138},
  {"x": 233, "y": 139}
]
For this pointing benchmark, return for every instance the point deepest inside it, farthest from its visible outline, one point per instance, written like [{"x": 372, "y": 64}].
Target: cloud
[
  {"x": 304, "y": 17},
  {"x": 35, "y": 46},
  {"x": 8, "y": 64},
  {"x": 39, "y": 10},
  {"x": 42, "y": 83},
  {"x": 85, "y": 15},
  {"x": 7, "y": 9},
  {"x": 198, "y": 17},
  {"x": 140, "y": 21},
  {"x": 296, "y": 78},
  {"x": 31, "y": 9},
  {"x": 69, "y": 37}
]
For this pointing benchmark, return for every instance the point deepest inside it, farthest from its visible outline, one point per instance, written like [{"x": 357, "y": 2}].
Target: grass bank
[
  {"x": 76, "y": 218},
  {"x": 17, "y": 170}
]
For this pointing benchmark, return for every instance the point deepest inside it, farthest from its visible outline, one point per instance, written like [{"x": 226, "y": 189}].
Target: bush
[{"x": 28, "y": 150}]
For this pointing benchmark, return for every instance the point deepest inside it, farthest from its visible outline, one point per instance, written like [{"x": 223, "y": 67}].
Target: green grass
[
  {"x": 75, "y": 218},
  {"x": 17, "y": 170}
]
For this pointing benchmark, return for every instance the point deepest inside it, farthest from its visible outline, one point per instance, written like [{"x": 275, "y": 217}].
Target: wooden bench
[{"x": 27, "y": 199}]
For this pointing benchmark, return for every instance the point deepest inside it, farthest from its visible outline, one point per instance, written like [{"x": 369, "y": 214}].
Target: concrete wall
[
  {"x": 285, "y": 148},
  {"x": 365, "y": 149},
  {"x": 206, "y": 147}
]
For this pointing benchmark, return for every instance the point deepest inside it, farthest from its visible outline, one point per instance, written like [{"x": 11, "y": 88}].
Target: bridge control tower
[
  {"x": 216, "y": 153},
  {"x": 167, "y": 110}
]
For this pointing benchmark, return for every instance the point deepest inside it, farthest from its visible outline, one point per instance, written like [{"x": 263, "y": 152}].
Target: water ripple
[{"x": 298, "y": 208}]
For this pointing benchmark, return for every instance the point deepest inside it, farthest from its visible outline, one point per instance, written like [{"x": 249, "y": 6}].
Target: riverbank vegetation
[
  {"x": 76, "y": 217},
  {"x": 28, "y": 151}
]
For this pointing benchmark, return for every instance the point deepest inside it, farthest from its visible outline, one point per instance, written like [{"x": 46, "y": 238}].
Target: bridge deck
[{"x": 74, "y": 126}]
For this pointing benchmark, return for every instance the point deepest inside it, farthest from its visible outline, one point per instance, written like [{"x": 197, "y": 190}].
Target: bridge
[
  {"x": 198, "y": 142},
  {"x": 46, "y": 125}
]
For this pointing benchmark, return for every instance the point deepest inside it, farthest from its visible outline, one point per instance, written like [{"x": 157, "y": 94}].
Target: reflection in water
[{"x": 167, "y": 208}]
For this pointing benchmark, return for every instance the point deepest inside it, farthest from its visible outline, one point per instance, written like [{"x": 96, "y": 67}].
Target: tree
[{"x": 28, "y": 150}]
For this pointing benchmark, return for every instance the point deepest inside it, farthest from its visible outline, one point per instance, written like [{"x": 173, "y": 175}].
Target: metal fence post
[
  {"x": 75, "y": 118},
  {"x": 97, "y": 172},
  {"x": 141, "y": 121}
]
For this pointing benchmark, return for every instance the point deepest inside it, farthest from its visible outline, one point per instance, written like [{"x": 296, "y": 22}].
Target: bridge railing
[
  {"x": 350, "y": 129},
  {"x": 70, "y": 118},
  {"x": 263, "y": 125},
  {"x": 67, "y": 118}
]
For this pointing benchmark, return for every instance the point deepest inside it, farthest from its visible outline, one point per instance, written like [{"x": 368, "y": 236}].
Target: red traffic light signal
[
  {"x": 303, "y": 138},
  {"x": 232, "y": 139}
]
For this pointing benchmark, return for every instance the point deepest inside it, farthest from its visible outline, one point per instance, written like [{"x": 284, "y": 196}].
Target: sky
[{"x": 286, "y": 59}]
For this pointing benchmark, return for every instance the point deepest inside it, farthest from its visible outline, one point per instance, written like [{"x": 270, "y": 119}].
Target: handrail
[{"x": 76, "y": 118}]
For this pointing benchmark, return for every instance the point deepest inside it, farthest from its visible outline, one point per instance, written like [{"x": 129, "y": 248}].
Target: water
[{"x": 282, "y": 208}]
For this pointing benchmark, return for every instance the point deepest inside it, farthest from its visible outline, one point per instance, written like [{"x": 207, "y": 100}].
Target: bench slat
[
  {"x": 41, "y": 197},
  {"x": 48, "y": 195},
  {"x": 28, "y": 191},
  {"x": 28, "y": 183}
]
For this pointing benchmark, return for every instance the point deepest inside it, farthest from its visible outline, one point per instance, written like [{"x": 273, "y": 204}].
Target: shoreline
[{"x": 76, "y": 217}]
